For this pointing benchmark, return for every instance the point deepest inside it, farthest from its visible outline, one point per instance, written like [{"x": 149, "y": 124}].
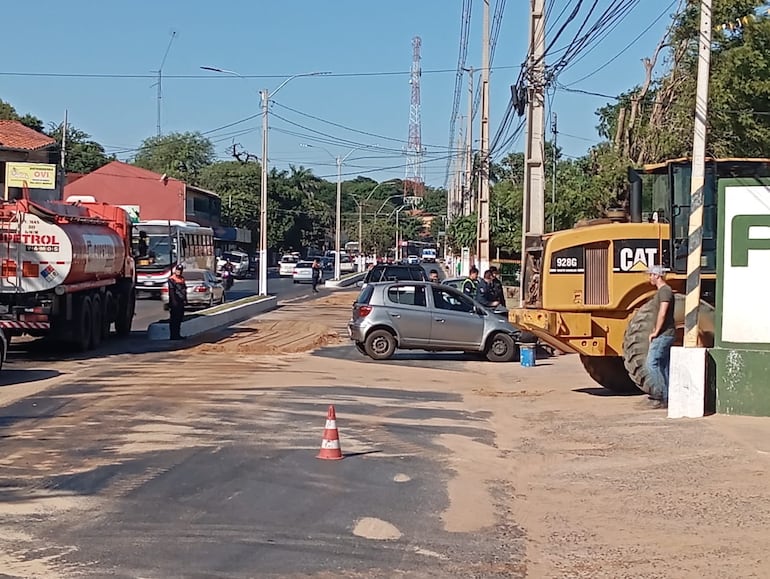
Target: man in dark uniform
[
  {"x": 497, "y": 293},
  {"x": 177, "y": 299},
  {"x": 316, "y": 274}
]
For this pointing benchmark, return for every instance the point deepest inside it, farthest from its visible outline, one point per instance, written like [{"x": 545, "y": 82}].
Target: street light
[
  {"x": 339, "y": 160},
  {"x": 361, "y": 257},
  {"x": 265, "y": 96},
  {"x": 398, "y": 236}
]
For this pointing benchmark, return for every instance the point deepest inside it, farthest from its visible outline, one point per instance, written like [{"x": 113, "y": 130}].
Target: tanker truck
[{"x": 66, "y": 271}]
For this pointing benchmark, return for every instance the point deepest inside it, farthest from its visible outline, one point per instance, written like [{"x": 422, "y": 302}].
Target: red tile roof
[{"x": 14, "y": 135}]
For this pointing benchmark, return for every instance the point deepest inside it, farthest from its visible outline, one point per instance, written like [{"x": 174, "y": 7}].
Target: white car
[
  {"x": 288, "y": 262},
  {"x": 412, "y": 259},
  {"x": 303, "y": 272},
  {"x": 239, "y": 261},
  {"x": 347, "y": 265}
]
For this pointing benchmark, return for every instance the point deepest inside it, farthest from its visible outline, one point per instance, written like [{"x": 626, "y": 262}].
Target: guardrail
[{"x": 216, "y": 317}]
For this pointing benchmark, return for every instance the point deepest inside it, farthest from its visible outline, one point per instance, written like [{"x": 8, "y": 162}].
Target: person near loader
[
  {"x": 661, "y": 338},
  {"x": 471, "y": 284},
  {"x": 498, "y": 293}
]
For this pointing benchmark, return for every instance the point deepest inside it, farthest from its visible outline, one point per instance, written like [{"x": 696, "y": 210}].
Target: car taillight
[
  {"x": 200, "y": 289},
  {"x": 362, "y": 311},
  {"x": 164, "y": 289},
  {"x": 295, "y": 272}
]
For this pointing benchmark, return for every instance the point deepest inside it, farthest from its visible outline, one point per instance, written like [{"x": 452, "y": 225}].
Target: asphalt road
[
  {"x": 150, "y": 310},
  {"x": 184, "y": 461}
]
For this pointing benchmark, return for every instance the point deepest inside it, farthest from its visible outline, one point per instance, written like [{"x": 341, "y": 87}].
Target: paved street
[{"x": 198, "y": 460}]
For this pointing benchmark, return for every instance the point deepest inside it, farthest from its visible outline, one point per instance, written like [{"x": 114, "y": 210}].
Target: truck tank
[{"x": 37, "y": 254}]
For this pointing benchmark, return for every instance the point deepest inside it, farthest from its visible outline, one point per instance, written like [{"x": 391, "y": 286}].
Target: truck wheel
[
  {"x": 636, "y": 344},
  {"x": 97, "y": 321},
  {"x": 82, "y": 337},
  {"x": 501, "y": 348},
  {"x": 125, "y": 315},
  {"x": 609, "y": 372}
]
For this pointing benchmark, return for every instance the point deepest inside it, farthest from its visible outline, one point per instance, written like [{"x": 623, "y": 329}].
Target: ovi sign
[{"x": 745, "y": 267}]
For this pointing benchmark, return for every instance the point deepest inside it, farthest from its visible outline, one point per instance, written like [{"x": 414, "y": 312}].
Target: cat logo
[{"x": 635, "y": 255}]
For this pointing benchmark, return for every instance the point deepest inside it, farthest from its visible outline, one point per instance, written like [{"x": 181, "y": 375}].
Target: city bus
[{"x": 160, "y": 245}]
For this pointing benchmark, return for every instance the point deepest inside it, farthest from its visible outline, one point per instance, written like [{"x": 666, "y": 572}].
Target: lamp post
[
  {"x": 338, "y": 235},
  {"x": 265, "y": 95},
  {"x": 362, "y": 260},
  {"x": 398, "y": 233}
]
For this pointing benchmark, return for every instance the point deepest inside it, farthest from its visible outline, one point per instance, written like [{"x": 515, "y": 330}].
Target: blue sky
[{"x": 271, "y": 37}]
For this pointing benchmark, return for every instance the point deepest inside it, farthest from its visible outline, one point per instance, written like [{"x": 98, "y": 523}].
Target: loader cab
[{"x": 666, "y": 199}]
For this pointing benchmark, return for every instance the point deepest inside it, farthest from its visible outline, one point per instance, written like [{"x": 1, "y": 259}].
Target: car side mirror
[{"x": 360, "y": 283}]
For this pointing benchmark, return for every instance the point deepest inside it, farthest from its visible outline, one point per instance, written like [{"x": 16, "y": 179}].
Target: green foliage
[
  {"x": 8, "y": 113},
  {"x": 179, "y": 155},
  {"x": 83, "y": 154}
]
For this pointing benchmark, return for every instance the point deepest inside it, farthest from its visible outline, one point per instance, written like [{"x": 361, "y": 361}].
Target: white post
[
  {"x": 687, "y": 377},
  {"x": 263, "y": 199},
  {"x": 338, "y": 236}
]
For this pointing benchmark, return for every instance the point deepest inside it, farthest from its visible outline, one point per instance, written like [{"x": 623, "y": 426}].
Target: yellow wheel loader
[{"x": 586, "y": 290}]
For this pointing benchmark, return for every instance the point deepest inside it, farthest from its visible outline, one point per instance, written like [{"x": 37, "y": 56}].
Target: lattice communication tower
[{"x": 414, "y": 185}]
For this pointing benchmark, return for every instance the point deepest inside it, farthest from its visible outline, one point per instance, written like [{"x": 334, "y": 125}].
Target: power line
[{"x": 220, "y": 77}]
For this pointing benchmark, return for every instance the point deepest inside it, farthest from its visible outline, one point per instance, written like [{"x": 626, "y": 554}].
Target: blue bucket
[{"x": 527, "y": 355}]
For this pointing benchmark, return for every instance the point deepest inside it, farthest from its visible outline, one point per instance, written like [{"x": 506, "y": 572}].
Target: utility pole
[
  {"x": 338, "y": 233},
  {"x": 483, "y": 211},
  {"x": 64, "y": 141},
  {"x": 695, "y": 237},
  {"x": 534, "y": 165},
  {"x": 554, "y": 132},
  {"x": 159, "y": 83},
  {"x": 467, "y": 203}
]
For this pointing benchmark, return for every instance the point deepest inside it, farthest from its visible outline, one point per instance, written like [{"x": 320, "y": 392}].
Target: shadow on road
[
  {"x": 605, "y": 392},
  {"x": 13, "y": 376}
]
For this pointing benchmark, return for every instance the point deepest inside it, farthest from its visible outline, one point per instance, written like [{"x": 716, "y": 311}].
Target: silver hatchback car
[{"x": 426, "y": 316}]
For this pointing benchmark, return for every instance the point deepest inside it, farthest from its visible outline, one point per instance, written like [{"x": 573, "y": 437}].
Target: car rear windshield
[
  {"x": 365, "y": 295},
  {"x": 304, "y": 265},
  {"x": 193, "y": 275},
  {"x": 396, "y": 273},
  {"x": 288, "y": 259}
]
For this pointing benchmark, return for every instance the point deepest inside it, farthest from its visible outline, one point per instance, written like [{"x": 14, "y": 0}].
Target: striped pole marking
[{"x": 695, "y": 230}]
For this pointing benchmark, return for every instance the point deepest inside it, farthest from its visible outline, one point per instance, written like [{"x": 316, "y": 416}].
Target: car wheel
[
  {"x": 501, "y": 348},
  {"x": 360, "y": 347},
  {"x": 211, "y": 301},
  {"x": 380, "y": 345}
]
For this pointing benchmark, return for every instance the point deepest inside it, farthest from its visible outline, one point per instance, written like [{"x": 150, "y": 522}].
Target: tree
[
  {"x": 179, "y": 155},
  {"x": 8, "y": 113},
  {"x": 238, "y": 185},
  {"x": 83, "y": 155}
]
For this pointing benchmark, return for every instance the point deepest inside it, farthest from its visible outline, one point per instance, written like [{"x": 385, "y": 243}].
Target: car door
[
  {"x": 455, "y": 322},
  {"x": 408, "y": 313},
  {"x": 216, "y": 287}
]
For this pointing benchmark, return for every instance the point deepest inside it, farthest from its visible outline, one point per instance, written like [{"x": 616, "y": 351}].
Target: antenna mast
[
  {"x": 414, "y": 184},
  {"x": 159, "y": 84}
]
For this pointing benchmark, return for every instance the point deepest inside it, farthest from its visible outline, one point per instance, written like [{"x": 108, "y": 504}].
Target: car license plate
[{"x": 148, "y": 283}]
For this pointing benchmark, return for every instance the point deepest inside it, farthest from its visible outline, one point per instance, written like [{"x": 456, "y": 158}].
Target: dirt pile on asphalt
[
  {"x": 339, "y": 298},
  {"x": 274, "y": 337}
]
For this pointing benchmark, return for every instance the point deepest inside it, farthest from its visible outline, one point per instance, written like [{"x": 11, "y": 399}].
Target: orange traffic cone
[{"x": 330, "y": 445}]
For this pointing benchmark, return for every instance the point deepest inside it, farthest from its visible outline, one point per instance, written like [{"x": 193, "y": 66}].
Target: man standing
[
  {"x": 661, "y": 338},
  {"x": 484, "y": 291},
  {"x": 177, "y": 299},
  {"x": 471, "y": 284},
  {"x": 433, "y": 276},
  {"x": 497, "y": 293},
  {"x": 316, "y": 275}
]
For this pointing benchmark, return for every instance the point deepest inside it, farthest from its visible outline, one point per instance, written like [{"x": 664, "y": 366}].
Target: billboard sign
[
  {"x": 33, "y": 175},
  {"x": 745, "y": 265}
]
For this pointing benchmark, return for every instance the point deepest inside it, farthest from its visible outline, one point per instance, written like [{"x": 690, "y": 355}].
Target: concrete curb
[
  {"x": 206, "y": 322},
  {"x": 346, "y": 282}
]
